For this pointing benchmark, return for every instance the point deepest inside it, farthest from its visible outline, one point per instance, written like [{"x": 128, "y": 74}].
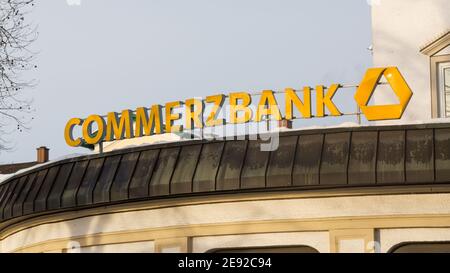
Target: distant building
[{"x": 42, "y": 157}]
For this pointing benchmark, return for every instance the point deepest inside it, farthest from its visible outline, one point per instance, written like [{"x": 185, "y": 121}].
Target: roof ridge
[{"x": 435, "y": 38}]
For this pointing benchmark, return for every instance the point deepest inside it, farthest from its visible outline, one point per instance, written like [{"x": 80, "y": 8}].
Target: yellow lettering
[
  {"x": 68, "y": 132},
  {"x": 89, "y": 136},
  {"x": 267, "y": 106},
  {"x": 292, "y": 98},
  {"x": 235, "y": 108},
  {"x": 171, "y": 117},
  {"x": 322, "y": 101},
  {"x": 144, "y": 125},
  {"x": 218, "y": 101},
  {"x": 194, "y": 113},
  {"x": 117, "y": 129}
]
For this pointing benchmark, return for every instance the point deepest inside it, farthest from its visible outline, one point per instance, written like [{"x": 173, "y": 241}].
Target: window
[
  {"x": 268, "y": 249},
  {"x": 443, "y": 82},
  {"x": 439, "y": 53},
  {"x": 422, "y": 247}
]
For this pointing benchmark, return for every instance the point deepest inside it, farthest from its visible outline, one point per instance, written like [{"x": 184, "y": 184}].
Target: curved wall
[{"x": 325, "y": 222}]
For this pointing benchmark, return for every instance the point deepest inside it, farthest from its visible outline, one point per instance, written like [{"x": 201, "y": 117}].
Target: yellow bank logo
[
  {"x": 193, "y": 113},
  {"x": 369, "y": 84}
]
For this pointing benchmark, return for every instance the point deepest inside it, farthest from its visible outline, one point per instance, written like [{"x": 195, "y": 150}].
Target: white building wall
[
  {"x": 136, "y": 247},
  {"x": 318, "y": 240},
  {"x": 242, "y": 215},
  {"x": 399, "y": 29}
]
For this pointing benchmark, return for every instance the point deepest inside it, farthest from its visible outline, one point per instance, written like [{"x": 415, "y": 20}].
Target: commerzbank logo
[
  {"x": 237, "y": 108},
  {"x": 369, "y": 84}
]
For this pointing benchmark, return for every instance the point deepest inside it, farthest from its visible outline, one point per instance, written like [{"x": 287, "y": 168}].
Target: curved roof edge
[{"x": 398, "y": 155}]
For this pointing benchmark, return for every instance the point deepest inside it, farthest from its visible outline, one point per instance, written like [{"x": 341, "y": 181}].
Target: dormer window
[
  {"x": 439, "y": 53},
  {"x": 443, "y": 82}
]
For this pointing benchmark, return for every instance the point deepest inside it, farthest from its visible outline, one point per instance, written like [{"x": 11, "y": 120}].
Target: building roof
[
  {"x": 437, "y": 44},
  {"x": 12, "y": 168},
  {"x": 338, "y": 158}
]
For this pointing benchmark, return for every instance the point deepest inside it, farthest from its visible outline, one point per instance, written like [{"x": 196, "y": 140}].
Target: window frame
[
  {"x": 436, "y": 95},
  {"x": 441, "y": 87},
  {"x": 410, "y": 246}
]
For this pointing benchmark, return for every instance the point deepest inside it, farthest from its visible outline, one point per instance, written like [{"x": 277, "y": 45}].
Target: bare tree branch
[{"x": 16, "y": 36}]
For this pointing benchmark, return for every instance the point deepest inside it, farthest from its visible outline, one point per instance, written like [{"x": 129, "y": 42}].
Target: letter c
[
  {"x": 93, "y": 137},
  {"x": 68, "y": 132}
]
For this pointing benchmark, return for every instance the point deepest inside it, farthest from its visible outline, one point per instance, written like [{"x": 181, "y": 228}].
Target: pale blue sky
[{"x": 108, "y": 55}]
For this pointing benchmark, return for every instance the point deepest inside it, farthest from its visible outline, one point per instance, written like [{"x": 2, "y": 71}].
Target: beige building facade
[
  {"x": 334, "y": 223},
  {"x": 414, "y": 36}
]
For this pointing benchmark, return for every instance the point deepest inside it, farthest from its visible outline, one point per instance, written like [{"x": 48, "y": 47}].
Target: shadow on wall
[
  {"x": 396, "y": 50},
  {"x": 414, "y": 69}
]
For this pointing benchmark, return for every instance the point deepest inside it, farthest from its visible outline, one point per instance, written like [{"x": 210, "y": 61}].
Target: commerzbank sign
[{"x": 201, "y": 113}]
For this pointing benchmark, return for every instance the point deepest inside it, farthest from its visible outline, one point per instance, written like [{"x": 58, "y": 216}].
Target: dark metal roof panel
[
  {"x": 139, "y": 184},
  {"x": 335, "y": 155},
  {"x": 7, "y": 197},
  {"x": 253, "y": 173},
  {"x": 391, "y": 157},
  {"x": 341, "y": 157},
  {"x": 228, "y": 177},
  {"x": 160, "y": 183},
  {"x": 69, "y": 196},
  {"x": 54, "y": 198},
  {"x": 28, "y": 205},
  {"x": 18, "y": 205},
  {"x": 120, "y": 185},
  {"x": 308, "y": 160},
  {"x": 7, "y": 212},
  {"x": 419, "y": 158},
  {"x": 181, "y": 181},
  {"x": 363, "y": 156},
  {"x": 40, "y": 203},
  {"x": 442, "y": 154},
  {"x": 104, "y": 182},
  {"x": 86, "y": 189},
  {"x": 279, "y": 172},
  {"x": 208, "y": 165}
]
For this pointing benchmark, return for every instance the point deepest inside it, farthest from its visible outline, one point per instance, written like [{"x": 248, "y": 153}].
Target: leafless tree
[{"x": 16, "y": 57}]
